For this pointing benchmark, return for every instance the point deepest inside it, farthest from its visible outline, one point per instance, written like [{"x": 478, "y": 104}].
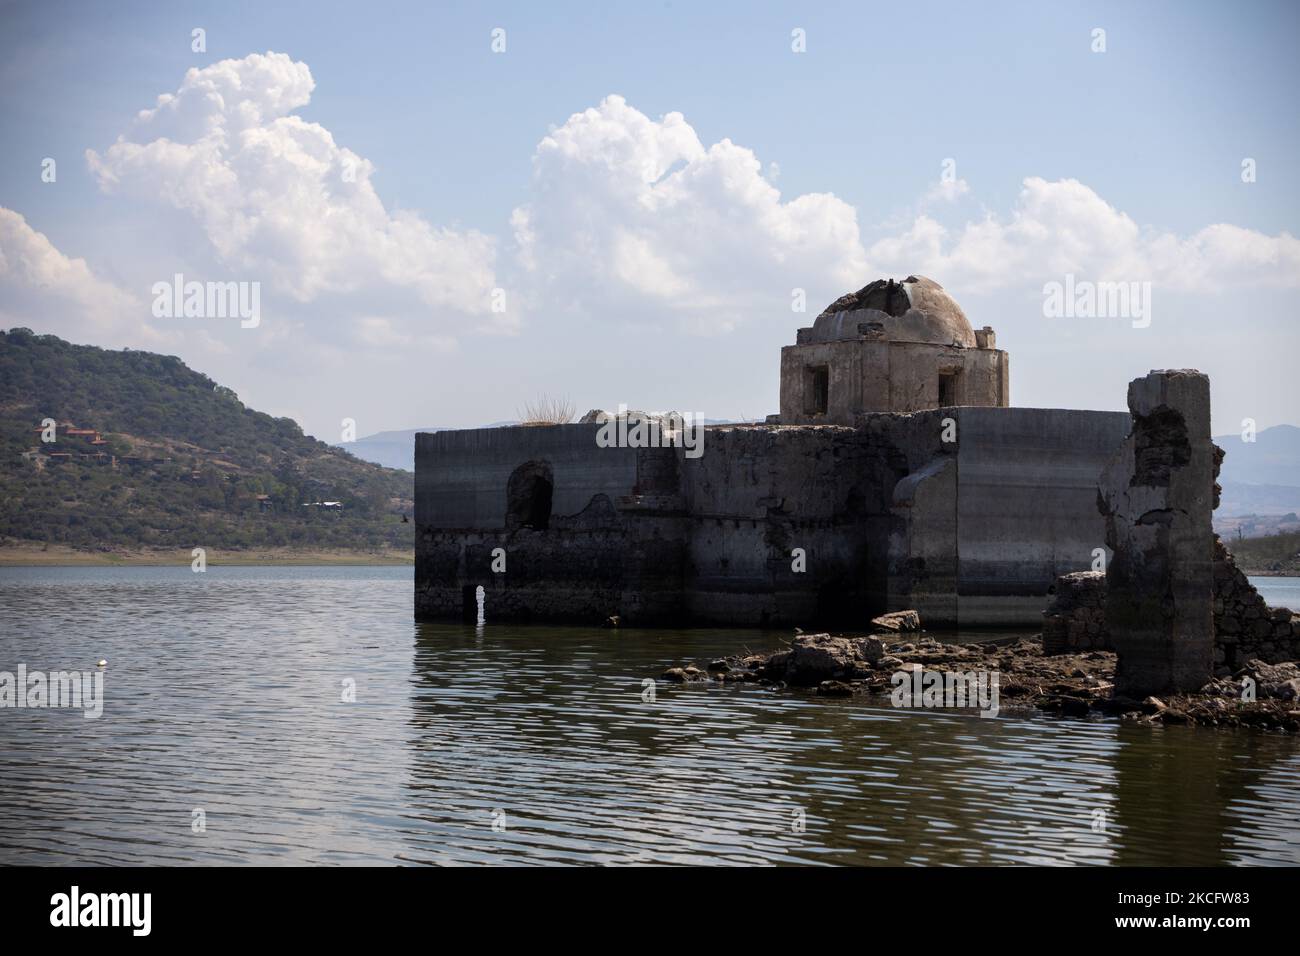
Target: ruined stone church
[{"x": 896, "y": 475}]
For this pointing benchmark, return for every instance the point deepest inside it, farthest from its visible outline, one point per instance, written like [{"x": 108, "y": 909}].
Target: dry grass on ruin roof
[{"x": 547, "y": 411}]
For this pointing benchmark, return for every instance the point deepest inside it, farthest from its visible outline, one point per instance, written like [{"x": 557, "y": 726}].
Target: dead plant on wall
[{"x": 547, "y": 411}]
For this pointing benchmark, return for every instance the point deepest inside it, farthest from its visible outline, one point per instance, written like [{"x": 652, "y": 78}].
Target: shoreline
[{"x": 36, "y": 555}]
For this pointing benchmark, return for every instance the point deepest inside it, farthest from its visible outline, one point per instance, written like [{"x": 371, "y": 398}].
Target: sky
[{"x": 449, "y": 210}]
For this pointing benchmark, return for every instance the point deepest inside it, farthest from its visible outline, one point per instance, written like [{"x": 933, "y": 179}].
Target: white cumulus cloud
[
  {"x": 637, "y": 218},
  {"x": 281, "y": 202},
  {"x": 42, "y": 287},
  {"x": 1065, "y": 227}
]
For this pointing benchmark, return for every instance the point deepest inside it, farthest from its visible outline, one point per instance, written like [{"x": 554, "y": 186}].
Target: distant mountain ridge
[
  {"x": 1260, "y": 477},
  {"x": 393, "y": 449},
  {"x": 1273, "y": 458}
]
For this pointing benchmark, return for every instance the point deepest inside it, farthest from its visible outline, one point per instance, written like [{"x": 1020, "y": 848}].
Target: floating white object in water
[{"x": 102, "y": 663}]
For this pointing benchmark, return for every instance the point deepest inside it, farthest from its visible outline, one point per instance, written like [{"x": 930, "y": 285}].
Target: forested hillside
[{"x": 149, "y": 453}]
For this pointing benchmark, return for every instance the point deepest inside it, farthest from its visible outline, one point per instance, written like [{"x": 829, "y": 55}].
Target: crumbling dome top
[{"x": 914, "y": 310}]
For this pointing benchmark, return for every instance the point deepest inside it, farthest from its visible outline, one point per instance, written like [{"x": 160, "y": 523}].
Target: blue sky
[{"x": 685, "y": 305}]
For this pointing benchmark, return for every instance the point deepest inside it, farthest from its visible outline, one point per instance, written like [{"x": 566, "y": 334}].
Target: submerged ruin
[
  {"x": 1171, "y": 615},
  {"x": 895, "y": 476}
]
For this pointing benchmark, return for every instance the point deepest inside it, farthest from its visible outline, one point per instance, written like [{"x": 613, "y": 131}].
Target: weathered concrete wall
[
  {"x": 605, "y": 547},
  {"x": 664, "y": 538},
  {"x": 987, "y": 524},
  {"x": 461, "y": 476},
  {"x": 1027, "y": 492},
  {"x": 888, "y": 515},
  {"x": 757, "y": 494},
  {"x": 844, "y": 362},
  {"x": 1157, "y": 496},
  {"x": 875, "y": 375},
  {"x": 923, "y": 548},
  {"x": 914, "y": 371}
]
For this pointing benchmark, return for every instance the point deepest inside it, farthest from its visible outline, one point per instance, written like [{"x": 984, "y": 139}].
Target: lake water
[
  {"x": 223, "y": 708},
  {"x": 1279, "y": 592}
]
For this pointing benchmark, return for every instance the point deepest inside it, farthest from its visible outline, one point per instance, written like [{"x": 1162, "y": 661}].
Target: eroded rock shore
[{"x": 1257, "y": 695}]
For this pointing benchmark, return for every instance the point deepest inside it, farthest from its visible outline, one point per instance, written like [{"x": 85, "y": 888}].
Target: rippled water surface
[{"x": 223, "y": 695}]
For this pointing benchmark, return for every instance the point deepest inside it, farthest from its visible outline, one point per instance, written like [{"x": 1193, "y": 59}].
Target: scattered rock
[
  {"x": 1065, "y": 685},
  {"x": 814, "y": 658},
  {"x": 835, "y": 688},
  {"x": 896, "y": 621},
  {"x": 1279, "y": 681},
  {"x": 872, "y": 650}
]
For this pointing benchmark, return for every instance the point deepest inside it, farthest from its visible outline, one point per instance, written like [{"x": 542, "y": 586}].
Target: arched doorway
[{"x": 528, "y": 496}]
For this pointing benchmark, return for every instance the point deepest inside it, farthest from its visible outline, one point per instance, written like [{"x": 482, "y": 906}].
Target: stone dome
[{"x": 914, "y": 310}]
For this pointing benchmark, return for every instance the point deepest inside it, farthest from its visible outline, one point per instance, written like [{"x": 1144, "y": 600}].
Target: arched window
[{"x": 528, "y": 497}]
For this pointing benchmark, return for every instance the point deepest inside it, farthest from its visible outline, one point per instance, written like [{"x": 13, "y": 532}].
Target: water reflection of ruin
[
  {"x": 549, "y": 726},
  {"x": 1189, "y": 796}
]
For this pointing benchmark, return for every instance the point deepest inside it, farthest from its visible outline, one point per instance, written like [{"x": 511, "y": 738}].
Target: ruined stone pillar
[{"x": 1157, "y": 497}]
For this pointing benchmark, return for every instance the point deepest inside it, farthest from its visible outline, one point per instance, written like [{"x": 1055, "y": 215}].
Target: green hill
[{"x": 150, "y": 454}]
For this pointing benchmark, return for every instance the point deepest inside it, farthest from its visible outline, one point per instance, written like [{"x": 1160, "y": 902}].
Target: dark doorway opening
[
  {"x": 818, "y": 392},
  {"x": 469, "y": 603},
  {"x": 947, "y": 389},
  {"x": 528, "y": 497}
]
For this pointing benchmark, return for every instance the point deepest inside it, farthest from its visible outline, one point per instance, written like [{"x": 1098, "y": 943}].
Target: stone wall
[
  {"x": 1075, "y": 619},
  {"x": 653, "y": 537},
  {"x": 887, "y": 514},
  {"x": 461, "y": 477},
  {"x": 606, "y": 548},
  {"x": 1245, "y": 627},
  {"x": 758, "y": 493}
]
